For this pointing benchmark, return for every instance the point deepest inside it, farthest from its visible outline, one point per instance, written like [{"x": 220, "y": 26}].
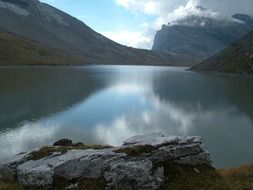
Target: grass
[
  {"x": 178, "y": 177},
  {"x": 240, "y": 178},
  {"x": 9, "y": 186},
  {"x": 15, "y": 50},
  {"x": 59, "y": 184},
  {"x": 206, "y": 178},
  {"x": 49, "y": 150},
  {"x": 193, "y": 178},
  {"x": 92, "y": 184}
]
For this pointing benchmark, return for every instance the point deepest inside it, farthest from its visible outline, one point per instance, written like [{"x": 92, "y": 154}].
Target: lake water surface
[{"x": 107, "y": 104}]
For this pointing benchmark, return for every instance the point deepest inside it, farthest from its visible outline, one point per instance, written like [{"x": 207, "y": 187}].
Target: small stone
[
  {"x": 72, "y": 186},
  {"x": 63, "y": 142},
  {"x": 196, "y": 170}
]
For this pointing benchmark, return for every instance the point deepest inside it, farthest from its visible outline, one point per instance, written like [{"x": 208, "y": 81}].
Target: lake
[{"x": 107, "y": 104}]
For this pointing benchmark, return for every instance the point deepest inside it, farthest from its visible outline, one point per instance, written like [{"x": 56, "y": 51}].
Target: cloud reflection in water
[{"x": 141, "y": 100}]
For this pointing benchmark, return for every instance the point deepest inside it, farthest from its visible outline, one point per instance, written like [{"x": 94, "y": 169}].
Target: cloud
[
  {"x": 229, "y": 7},
  {"x": 130, "y": 38},
  {"x": 151, "y": 7},
  {"x": 171, "y": 10},
  {"x": 160, "y": 7}
]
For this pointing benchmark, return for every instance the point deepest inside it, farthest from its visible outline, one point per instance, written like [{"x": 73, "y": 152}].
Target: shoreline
[
  {"x": 84, "y": 65},
  {"x": 186, "y": 68}
]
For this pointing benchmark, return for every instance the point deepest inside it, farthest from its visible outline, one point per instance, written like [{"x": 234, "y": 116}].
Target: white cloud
[
  {"x": 115, "y": 132},
  {"x": 171, "y": 10},
  {"x": 191, "y": 8},
  {"x": 159, "y": 7},
  {"x": 25, "y": 138},
  {"x": 129, "y": 38},
  {"x": 151, "y": 7}
]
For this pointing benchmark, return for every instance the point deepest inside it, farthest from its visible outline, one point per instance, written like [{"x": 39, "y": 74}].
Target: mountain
[
  {"x": 17, "y": 50},
  {"x": 195, "y": 38},
  {"x": 237, "y": 58},
  {"x": 55, "y": 31}
]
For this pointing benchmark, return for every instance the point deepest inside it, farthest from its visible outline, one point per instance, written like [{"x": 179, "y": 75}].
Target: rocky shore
[{"x": 138, "y": 164}]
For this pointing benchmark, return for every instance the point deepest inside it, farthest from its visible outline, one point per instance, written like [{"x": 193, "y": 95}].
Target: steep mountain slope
[
  {"x": 53, "y": 29},
  {"x": 237, "y": 58},
  {"x": 17, "y": 50},
  {"x": 195, "y": 37}
]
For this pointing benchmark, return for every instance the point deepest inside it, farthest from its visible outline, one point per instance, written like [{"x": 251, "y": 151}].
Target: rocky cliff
[
  {"x": 195, "y": 38},
  {"x": 138, "y": 164},
  {"x": 237, "y": 58},
  {"x": 54, "y": 29}
]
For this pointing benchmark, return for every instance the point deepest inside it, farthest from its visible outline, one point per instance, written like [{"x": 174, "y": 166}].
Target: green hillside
[
  {"x": 238, "y": 58},
  {"x": 16, "y": 50}
]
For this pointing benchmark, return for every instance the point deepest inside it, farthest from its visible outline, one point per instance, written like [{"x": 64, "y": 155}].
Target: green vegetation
[
  {"x": 193, "y": 178},
  {"x": 92, "y": 184},
  {"x": 49, "y": 150},
  {"x": 238, "y": 58},
  {"x": 238, "y": 178},
  {"x": 9, "y": 186},
  {"x": 60, "y": 184},
  {"x": 16, "y": 50},
  {"x": 206, "y": 178},
  {"x": 178, "y": 177},
  {"x": 83, "y": 184}
]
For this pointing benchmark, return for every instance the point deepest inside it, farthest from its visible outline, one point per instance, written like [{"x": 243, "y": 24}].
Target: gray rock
[
  {"x": 8, "y": 168},
  {"x": 39, "y": 175},
  {"x": 159, "y": 139},
  {"x": 41, "y": 172},
  {"x": 92, "y": 164},
  {"x": 131, "y": 175},
  {"x": 142, "y": 171}
]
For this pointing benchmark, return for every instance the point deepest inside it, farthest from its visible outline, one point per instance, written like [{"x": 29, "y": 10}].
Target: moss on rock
[{"x": 49, "y": 150}]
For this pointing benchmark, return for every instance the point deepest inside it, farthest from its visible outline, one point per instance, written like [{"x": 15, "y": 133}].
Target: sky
[{"x": 135, "y": 22}]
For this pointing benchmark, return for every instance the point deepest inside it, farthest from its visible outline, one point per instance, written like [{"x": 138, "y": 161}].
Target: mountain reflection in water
[{"x": 107, "y": 104}]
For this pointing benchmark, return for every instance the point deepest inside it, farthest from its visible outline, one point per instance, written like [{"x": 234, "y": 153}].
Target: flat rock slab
[{"x": 116, "y": 166}]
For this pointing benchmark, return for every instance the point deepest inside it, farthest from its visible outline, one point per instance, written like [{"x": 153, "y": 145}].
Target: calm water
[{"x": 107, "y": 104}]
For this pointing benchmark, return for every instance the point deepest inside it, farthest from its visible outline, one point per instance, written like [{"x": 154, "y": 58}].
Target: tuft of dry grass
[
  {"x": 206, "y": 178},
  {"x": 4, "y": 185},
  {"x": 240, "y": 178},
  {"x": 49, "y": 150},
  {"x": 180, "y": 177}
]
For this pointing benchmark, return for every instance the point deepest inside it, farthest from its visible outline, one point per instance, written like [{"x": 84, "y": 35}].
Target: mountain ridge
[
  {"x": 237, "y": 58},
  {"x": 195, "y": 38},
  {"x": 54, "y": 29}
]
